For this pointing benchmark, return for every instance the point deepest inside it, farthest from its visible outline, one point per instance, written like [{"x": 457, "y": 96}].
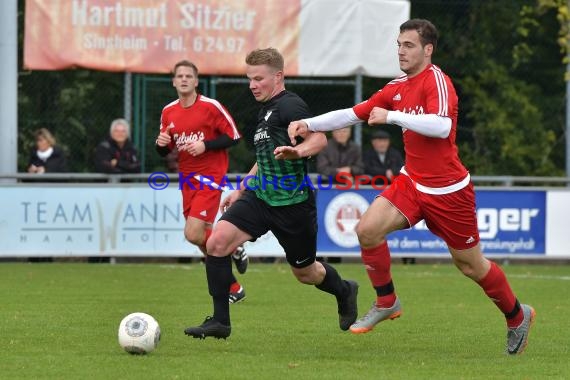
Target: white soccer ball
[{"x": 139, "y": 333}]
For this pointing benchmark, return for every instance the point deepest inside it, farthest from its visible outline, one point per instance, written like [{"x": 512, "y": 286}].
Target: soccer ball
[{"x": 139, "y": 333}]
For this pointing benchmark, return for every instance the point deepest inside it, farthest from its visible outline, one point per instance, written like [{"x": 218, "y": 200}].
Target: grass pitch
[{"x": 60, "y": 321}]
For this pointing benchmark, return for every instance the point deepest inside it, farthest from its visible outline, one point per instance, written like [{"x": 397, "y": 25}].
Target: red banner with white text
[{"x": 316, "y": 37}]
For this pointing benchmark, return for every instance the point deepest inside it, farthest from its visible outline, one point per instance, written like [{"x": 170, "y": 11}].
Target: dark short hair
[
  {"x": 380, "y": 134},
  {"x": 270, "y": 57},
  {"x": 185, "y": 63},
  {"x": 427, "y": 31}
]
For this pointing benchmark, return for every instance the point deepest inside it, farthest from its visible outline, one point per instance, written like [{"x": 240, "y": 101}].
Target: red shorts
[
  {"x": 202, "y": 204},
  {"x": 451, "y": 216}
]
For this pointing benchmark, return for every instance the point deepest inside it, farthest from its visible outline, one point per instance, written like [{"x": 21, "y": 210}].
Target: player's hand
[
  {"x": 195, "y": 148},
  {"x": 297, "y": 128},
  {"x": 229, "y": 200},
  {"x": 378, "y": 116},
  {"x": 287, "y": 153},
  {"x": 163, "y": 139}
]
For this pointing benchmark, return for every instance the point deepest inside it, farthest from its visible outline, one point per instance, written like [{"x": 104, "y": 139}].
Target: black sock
[
  {"x": 233, "y": 279},
  {"x": 219, "y": 274},
  {"x": 332, "y": 283}
]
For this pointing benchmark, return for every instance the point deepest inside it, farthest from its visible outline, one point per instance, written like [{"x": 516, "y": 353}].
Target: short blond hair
[
  {"x": 270, "y": 57},
  {"x": 44, "y": 133}
]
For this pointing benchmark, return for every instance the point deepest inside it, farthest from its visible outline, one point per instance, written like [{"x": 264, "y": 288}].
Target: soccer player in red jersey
[
  {"x": 433, "y": 185},
  {"x": 202, "y": 130}
]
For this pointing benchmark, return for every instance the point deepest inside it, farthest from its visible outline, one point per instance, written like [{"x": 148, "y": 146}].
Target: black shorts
[{"x": 294, "y": 226}]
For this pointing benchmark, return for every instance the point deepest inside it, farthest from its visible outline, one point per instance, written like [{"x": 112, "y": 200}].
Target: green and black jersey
[{"x": 279, "y": 182}]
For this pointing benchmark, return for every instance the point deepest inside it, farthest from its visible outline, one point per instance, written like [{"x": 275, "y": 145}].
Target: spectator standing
[{"x": 46, "y": 157}]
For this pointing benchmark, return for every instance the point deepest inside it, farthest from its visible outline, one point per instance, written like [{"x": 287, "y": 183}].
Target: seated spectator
[
  {"x": 45, "y": 156},
  {"x": 116, "y": 154},
  {"x": 382, "y": 160},
  {"x": 340, "y": 156}
]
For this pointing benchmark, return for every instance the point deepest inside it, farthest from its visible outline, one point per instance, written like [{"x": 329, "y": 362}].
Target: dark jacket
[
  {"x": 127, "y": 157},
  {"x": 335, "y": 156},
  {"x": 56, "y": 163},
  {"x": 374, "y": 167}
]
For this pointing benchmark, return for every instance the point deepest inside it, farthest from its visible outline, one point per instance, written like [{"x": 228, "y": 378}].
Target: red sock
[
  {"x": 377, "y": 263},
  {"x": 235, "y": 287},
  {"x": 497, "y": 288}
]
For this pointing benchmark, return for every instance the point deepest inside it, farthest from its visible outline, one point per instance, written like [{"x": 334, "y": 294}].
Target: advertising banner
[
  {"x": 111, "y": 221},
  {"x": 316, "y": 37},
  {"x": 510, "y": 222},
  {"x": 135, "y": 220}
]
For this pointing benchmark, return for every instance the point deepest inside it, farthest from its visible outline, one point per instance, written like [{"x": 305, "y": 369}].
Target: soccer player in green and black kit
[{"x": 274, "y": 200}]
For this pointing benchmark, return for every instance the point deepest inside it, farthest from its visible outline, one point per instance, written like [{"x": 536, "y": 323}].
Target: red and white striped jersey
[
  {"x": 430, "y": 161},
  {"x": 206, "y": 119}
]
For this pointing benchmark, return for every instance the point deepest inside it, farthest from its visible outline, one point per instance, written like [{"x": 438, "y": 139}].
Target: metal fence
[
  {"x": 151, "y": 93},
  {"x": 79, "y": 105}
]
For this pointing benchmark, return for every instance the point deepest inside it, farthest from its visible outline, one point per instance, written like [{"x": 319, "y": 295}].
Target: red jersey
[
  {"x": 432, "y": 162},
  {"x": 206, "y": 119}
]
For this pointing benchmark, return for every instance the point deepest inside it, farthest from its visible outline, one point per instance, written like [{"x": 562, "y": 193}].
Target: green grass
[{"x": 60, "y": 321}]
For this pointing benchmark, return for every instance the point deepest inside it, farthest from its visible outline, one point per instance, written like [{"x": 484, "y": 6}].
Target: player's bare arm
[
  {"x": 313, "y": 144},
  {"x": 297, "y": 128},
  {"x": 230, "y": 199}
]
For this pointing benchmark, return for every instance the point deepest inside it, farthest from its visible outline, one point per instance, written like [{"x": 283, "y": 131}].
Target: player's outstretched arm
[{"x": 313, "y": 144}]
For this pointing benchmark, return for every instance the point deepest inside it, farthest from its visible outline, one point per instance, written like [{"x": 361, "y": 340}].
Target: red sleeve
[
  {"x": 225, "y": 123},
  {"x": 163, "y": 121},
  {"x": 439, "y": 94},
  {"x": 379, "y": 99}
]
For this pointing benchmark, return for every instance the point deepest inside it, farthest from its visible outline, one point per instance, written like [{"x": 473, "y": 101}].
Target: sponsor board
[{"x": 510, "y": 222}]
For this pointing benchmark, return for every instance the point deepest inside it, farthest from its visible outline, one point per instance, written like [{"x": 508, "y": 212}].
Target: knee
[
  {"x": 367, "y": 237},
  {"x": 466, "y": 268},
  {"x": 194, "y": 236},
  {"x": 217, "y": 246}
]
